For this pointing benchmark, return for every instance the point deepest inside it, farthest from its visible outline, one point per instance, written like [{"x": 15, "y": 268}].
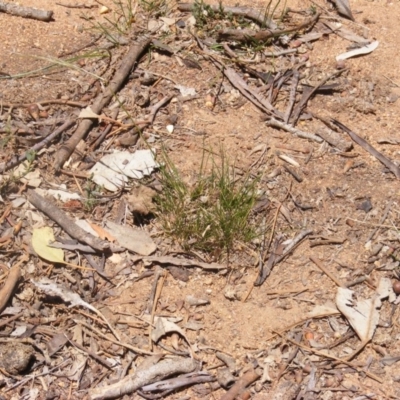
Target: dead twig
[
  {"x": 26, "y": 12},
  {"x": 366, "y": 146},
  {"x": 126, "y": 66}
]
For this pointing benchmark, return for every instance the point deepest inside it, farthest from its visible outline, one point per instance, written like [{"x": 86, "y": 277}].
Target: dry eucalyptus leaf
[
  {"x": 343, "y": 7},
  {"x": 363, "y": 314},
  {"x": 41, "y": 237}
]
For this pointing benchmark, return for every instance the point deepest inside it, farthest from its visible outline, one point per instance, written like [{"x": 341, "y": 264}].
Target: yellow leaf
[{"x": 41, "y": 238}]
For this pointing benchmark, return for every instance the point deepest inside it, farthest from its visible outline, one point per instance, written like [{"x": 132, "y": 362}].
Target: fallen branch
[
  {"x": 38, "y": 146},
  {"x": 366, "y": 146},
  {"x": 26, "y": 12},
  {"x": 69, "y": 226},
  {"x": 126, "y": 67},
  {"x": 141, "y": 378}
]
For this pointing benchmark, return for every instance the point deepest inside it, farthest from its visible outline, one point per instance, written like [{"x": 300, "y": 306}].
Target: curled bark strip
[
  {"x": 248, "y": 378},
  {"x": 254, "y": 15},
  {"x": 55, "y": 214},
  {"x": 8, "y": 288},
  {"x": 126, "y": 66},
  {"x": 26, "y": 12},
  {"x": 366, "y": 146},
  {"x": 141, "y": 378}
]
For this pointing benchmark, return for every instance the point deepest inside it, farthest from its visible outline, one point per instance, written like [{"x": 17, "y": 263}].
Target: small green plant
[{"x": 212, "y": 214}]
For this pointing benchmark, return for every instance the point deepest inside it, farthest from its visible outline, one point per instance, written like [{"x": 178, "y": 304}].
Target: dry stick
[
  {"x": 304, "y": 100},
  {"x": 61, "y": 218},
  {"x": 322, "y": 354},
  {"x": 141, "y": 378},
  {"x": 26, "y": 12},
  {"x": 18, "y": 159},
  {"x": 366, "y": 146},
  {"x": 248, "y": 35},
  {"x": 291, "y": 129},
  {"x": 9, "y": 286},
  {"x": 126, "y": 66},
  {"x": 249, "y": 13},
  {"x": 245, "y": 380},
  {"x": 292, "y": 95},
  {"x": 323, "y": 269}
]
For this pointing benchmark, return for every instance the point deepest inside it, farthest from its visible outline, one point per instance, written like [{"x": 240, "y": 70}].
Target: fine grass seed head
[{"x": 211, "y": 214}]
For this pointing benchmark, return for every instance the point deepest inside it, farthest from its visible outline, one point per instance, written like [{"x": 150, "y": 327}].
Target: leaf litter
[{"x": 99, "y": 240}]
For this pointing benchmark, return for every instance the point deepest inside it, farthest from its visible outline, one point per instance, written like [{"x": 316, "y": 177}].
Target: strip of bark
[
  {"x": 246, "y": 12},
  {"x": 9, "y": 286},
  {"x": 245, "y": 380},
  {"x": 126, "y": 66},
  {"x": 366, "y": 146},
  {"x": 248, "y": 35},
  {"x": 61, "y": 218},
  {"x": 38, "y": 146},
  {"x": 26, "y": 12},
  {"x": 141, "y": 378}
]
